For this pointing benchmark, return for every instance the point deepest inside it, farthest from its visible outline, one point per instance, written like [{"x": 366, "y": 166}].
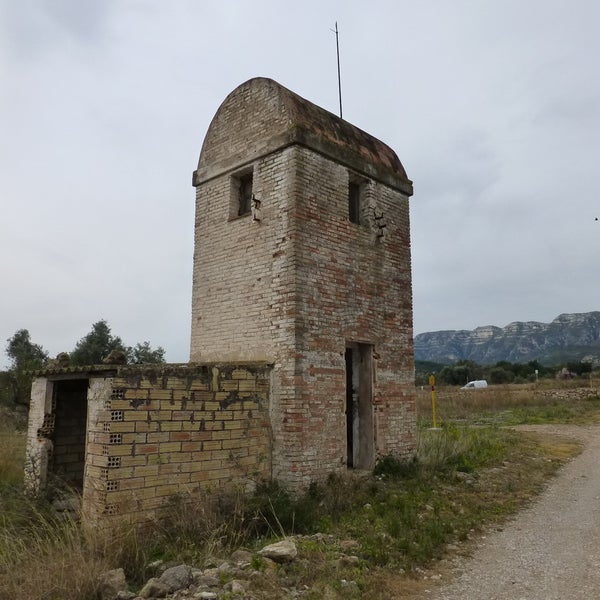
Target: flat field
[{"x": 378, "y": 536}]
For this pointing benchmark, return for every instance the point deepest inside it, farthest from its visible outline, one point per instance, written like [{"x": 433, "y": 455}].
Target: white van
[{"x": 479, "y": 383}]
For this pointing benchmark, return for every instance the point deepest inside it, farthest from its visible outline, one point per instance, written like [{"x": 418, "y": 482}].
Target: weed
[
  {"x": 391, "y": 466},
  {"x": 257, "y": 563},
  {"x": 403, "y": 518},
  {"x": 12, "y": 455}
]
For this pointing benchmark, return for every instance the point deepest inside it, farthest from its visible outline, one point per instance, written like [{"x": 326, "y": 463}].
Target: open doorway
[
  {"x": 69, "y": 435},
  {"x": 360, "y": 445}
]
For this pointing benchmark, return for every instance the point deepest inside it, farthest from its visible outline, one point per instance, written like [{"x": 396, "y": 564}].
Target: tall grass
[
  {"x": 12, "y": 455},
  {"x": 401, "y": 517},
  {"x": 49, "y": 556},
  {"x": 49, "y": 560},
  {"x": 461, "y": 448}
]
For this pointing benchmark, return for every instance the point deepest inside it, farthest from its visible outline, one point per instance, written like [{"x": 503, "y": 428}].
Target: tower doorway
[{"x": 360, "y": 447}]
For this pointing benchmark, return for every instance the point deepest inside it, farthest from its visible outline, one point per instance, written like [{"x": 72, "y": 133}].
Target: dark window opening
[
  {"x": 354, "y": 193},
  {"x": 245, "y": 195}
]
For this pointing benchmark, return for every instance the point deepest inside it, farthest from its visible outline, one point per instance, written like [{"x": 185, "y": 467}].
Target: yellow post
[{"x": 432, "y": 384}]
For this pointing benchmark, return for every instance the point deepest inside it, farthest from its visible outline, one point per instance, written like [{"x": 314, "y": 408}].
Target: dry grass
[
  {"x": 46, "y": 556},
  {"x": 53, "y": 561},
  {"x": 402, "y": 519},
  {"x": 496, "y": 403},
  {"x": 12, "y": 455}
]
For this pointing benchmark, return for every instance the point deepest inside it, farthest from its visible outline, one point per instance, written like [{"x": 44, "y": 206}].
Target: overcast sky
[{"x": 493, "y": 107}]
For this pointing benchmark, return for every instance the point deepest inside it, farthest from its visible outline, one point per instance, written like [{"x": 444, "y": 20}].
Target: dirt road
[{"x": 550, "y": 551}]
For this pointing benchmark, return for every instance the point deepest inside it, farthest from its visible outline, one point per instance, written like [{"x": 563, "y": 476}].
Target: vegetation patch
[
  {"x": 12, "y": 451},
  {"x": 512, "y": 405},
  {"x": 358, "y": 535}
]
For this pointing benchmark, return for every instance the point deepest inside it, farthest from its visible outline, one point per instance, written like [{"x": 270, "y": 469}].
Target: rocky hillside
[{"x": 568, "y": 337}]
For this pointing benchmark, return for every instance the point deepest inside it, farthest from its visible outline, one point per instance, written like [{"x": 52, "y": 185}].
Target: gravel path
[{"x": 550, "y": 551}]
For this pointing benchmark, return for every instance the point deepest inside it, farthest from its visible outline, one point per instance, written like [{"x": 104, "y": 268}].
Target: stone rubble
[{"x": 230, "y": 580}]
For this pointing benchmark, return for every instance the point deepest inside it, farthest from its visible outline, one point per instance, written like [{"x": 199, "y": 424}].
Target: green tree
[
  {"x": 25, "y": 357},
  {"x": 579, "y": 367},
  {"x": 100, "y": 342},
  {"x": 144, "y": 354},
  {"x": 501, "y": 375},
  {"x": 96, "y": 345},
  {"x": 461, "y": 373}
]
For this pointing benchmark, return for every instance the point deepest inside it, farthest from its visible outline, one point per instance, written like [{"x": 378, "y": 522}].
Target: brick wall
[
  {"x": 303, "y": 282},
  {"x": 155, "y": 432},
  {"x": 352, "y": 286},
  {"x": 243, "y": 269}
]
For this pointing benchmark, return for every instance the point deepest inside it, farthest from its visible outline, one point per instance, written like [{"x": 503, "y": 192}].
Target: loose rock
[
  {"x": 111, "y": 583},
  {"x": 280, "y": 552},
  {"x": 154, "y": 588},
  {"x": 177, "y": 578}
]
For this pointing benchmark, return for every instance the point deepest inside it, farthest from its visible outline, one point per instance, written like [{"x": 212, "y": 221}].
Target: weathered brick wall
[
  {"x": 172, "y": 432},
  {"x": 40, "y": 423},
  {"x": 300, "y": 284},
  {"x": 243, "y": 269},
  {"x": 231, "y": 142},
  {"x": 352, "y": 286},
  {"x": 153, "y": 432}
]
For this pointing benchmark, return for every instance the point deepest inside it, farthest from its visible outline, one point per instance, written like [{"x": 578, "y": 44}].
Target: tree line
[
  {"x": 464, "y": 371},
  {"x": 26, "y": 357}
]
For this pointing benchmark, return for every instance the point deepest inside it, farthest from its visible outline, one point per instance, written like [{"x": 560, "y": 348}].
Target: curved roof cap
[{"x": 261, "y": 116}]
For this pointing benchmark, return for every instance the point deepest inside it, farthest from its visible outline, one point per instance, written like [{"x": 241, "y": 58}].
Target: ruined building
[
  {"x": 302, "y": 261},
  {"x": 301, "y": 347}
]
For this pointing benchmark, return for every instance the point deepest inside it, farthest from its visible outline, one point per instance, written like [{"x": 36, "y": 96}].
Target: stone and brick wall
[
  {"x": 353, "y": 286},
  {"x": 243, "y": 269},
  {"x": 155, "y": 432},
  {"x": 295, "y": 287}
]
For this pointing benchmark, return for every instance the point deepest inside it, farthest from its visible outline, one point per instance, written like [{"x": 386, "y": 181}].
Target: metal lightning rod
[{"x": 337, "y": 46}]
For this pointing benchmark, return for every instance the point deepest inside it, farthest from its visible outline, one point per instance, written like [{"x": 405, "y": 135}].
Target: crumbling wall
[
  {"x": 353, "y": 285},
  {"x": 154, "y": 432},
  {"x": 300, "y": 281}
]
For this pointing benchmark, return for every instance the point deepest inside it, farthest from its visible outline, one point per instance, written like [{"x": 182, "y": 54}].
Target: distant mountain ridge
[{"x": 568, "y": 337}]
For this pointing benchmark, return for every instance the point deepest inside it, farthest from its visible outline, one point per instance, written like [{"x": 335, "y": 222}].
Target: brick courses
[
  {"x": 296, "y": 287},
  {"x": 291, "y": 303},
  {"x": 153, "y": 432}
]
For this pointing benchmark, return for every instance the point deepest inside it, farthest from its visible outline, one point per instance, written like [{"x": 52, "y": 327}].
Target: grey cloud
[
  {"x": 32, "y": 28},
  {"x": 492, "y": 108}
]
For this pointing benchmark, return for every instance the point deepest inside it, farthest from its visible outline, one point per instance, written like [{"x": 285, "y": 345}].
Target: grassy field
[
  {"x": 547, "y": 402},
  {"x": 469, "y": 475},
  {"x": 12, "y": 448}
]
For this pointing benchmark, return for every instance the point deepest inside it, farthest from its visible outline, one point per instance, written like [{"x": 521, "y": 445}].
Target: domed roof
[{"x": 261, "y": 116}]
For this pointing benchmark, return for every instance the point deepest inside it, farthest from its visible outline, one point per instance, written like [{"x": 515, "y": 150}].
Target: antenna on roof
[{"x": 337, "y": 46}]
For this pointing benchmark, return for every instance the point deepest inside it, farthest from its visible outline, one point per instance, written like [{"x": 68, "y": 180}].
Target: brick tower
[{"x": 302, "y": 261}]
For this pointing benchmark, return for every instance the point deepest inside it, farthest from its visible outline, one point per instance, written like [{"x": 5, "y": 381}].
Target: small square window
[
  {"x": 241, "y": 195},
  {"x": 245, "y": 195},
  {"x": 354, "y": 201}
]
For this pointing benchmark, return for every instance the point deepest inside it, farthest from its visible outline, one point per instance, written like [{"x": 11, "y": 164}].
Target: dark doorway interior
[
  {"x": 68, "y": 455},
  {"x": 359, "y": 407},
  {"x": 349, "y": 410}
]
